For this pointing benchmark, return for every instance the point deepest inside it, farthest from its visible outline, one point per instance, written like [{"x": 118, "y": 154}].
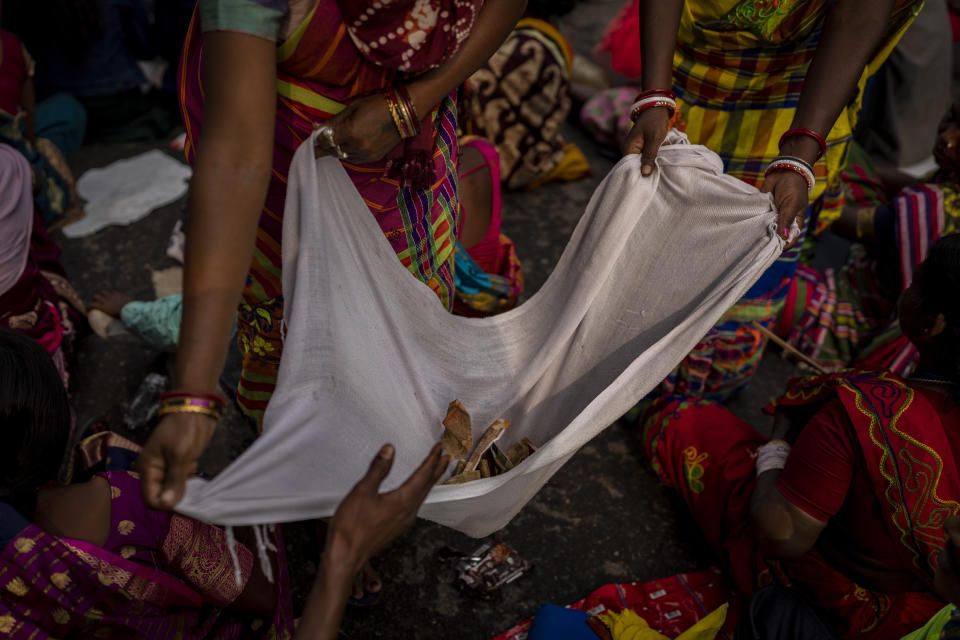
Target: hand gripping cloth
[{"x": 371, "y": 356}]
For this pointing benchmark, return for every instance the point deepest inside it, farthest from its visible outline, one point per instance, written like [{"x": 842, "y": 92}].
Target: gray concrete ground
[{"x": 603, "y": 518}]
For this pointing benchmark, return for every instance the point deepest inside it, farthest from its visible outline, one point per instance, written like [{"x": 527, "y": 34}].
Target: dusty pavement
[{"x": 603, "y": 518}]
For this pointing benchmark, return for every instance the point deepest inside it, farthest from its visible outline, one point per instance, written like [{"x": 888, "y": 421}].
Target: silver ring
[{"x": 326, "y": 132}]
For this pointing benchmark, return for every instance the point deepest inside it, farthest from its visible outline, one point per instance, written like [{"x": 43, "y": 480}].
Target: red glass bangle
[
  {"x": 780, "y": 166},
  {"x": 405, "y": 94},
  {"x": 667, "y": 93},
  {"x": 189, "y": 394},
  {"x": 652, "y": 105},
  {"x": 801, "y": 131}
]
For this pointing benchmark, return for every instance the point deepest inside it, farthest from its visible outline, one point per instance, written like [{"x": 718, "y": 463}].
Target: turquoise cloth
[
  {"x": 156, "y": 322},
  {"x": 62, "y": 120}
]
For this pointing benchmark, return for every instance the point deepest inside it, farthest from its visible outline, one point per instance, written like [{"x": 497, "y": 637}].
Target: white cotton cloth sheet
[
  {"x": 371, "y": 356},
  {"x": 127, "y": 190}
]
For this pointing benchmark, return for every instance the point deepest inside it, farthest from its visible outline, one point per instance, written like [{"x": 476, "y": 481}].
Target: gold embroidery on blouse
[
  {"x": 60, "y": 580},
  {"x": 6, "y": 624},
  {"x": 17, "y": 587},
  {"x": 24, "y": 545}
]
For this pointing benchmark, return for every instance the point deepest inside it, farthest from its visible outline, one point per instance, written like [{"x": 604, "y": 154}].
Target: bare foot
[
  {"x": 367, "y": 581},
  {"x": 110, "y": 302}
]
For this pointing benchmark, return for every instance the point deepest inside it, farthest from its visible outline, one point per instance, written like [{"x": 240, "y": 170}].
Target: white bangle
[
  {"x": 794, "y": 164},
  {"x": 772, "y": 455},
  {"x": 655, "y": 101}
]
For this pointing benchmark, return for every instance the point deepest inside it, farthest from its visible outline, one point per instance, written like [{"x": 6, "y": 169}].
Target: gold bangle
[
  {"x": 393, "y": 108},
  {"x": 189, "y": 408},
  {"x": 407, "y": 117}
]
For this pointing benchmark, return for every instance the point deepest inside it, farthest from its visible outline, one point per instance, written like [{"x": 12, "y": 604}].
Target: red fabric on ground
[{"x": 669, "y": 605}]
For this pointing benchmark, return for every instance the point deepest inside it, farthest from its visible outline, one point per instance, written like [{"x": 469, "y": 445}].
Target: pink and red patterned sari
[{"x": 335, "y": 56}]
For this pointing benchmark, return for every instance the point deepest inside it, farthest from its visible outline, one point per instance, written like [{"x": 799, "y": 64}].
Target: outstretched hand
[
  {"x": 648, "y": 133},
  {"x": 791, "y": 198},
  {"x": 364, "y": 131},
  {"x": 367, "y": 520}
]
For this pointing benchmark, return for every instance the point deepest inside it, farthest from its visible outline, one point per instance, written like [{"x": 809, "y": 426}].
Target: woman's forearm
[
  {"x": 231, "y": 174},
  {"x": 495, "y": 22},
  {"x": 852, "y": 32},
  {"x": 325, "y": 602},
  {"x": 659, "y": 23}
]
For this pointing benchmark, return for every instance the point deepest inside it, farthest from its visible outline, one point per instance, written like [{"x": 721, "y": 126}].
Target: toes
[{"x": 371, "y": 580}]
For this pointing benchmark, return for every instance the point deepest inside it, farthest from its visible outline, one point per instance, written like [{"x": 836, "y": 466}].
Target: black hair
[
  {"x": 546, "y": 9},
  {"x": 34, "y": 420},
  {"x": 940, "y": 292}
]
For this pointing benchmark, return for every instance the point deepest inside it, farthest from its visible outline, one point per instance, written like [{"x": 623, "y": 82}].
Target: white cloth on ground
[
  {"x": 371, "y": 356},
  {"x": 127, "y": 190}
]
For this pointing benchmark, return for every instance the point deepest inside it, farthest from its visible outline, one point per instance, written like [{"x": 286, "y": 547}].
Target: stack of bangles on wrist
[
  {"x": 403, "y": 111},
  {"x": 792, "y": 163},
  {"x": 799, "y": 165},
  {"x": 205, "y": 404},
  {"x": 652, "y": 99},
  {"x": 772, "y": 455}
]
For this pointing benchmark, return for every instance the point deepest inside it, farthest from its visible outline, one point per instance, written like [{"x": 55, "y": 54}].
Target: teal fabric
[
  {"x": 156, "y": 322},
  {"x": 471, "y": 280},
  {"x": 262, "y": 18},
  {"x": 62, "y": 120}
]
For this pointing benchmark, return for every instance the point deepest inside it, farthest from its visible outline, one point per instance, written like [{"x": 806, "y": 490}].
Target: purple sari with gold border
[{"x": 158, "y": 576}]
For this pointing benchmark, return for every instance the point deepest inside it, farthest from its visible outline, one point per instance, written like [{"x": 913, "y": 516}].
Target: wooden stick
[{"x": 789, "y": 348}]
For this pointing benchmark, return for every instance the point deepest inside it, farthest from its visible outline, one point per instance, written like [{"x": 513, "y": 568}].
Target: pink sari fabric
[
  {"x": 319, "y": 70},
  {"x": 158, "y": 575},
  {"x": 41, "y": 304}
]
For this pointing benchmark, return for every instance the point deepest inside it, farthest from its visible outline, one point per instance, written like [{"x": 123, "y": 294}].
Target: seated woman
[
  {"x": 35, "y": 297},
  {"x": 519, "y": 101},
  {"x": 43, "y": 133},
  {"x": 488, "y": 275},
  {"x": 846, "y": 317},
  {"x": 87, "y": 559},
  {"x": 851, "y": 516}
]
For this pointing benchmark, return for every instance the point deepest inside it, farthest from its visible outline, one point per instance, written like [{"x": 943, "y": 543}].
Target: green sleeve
[{"x": 263, "y": 18}]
